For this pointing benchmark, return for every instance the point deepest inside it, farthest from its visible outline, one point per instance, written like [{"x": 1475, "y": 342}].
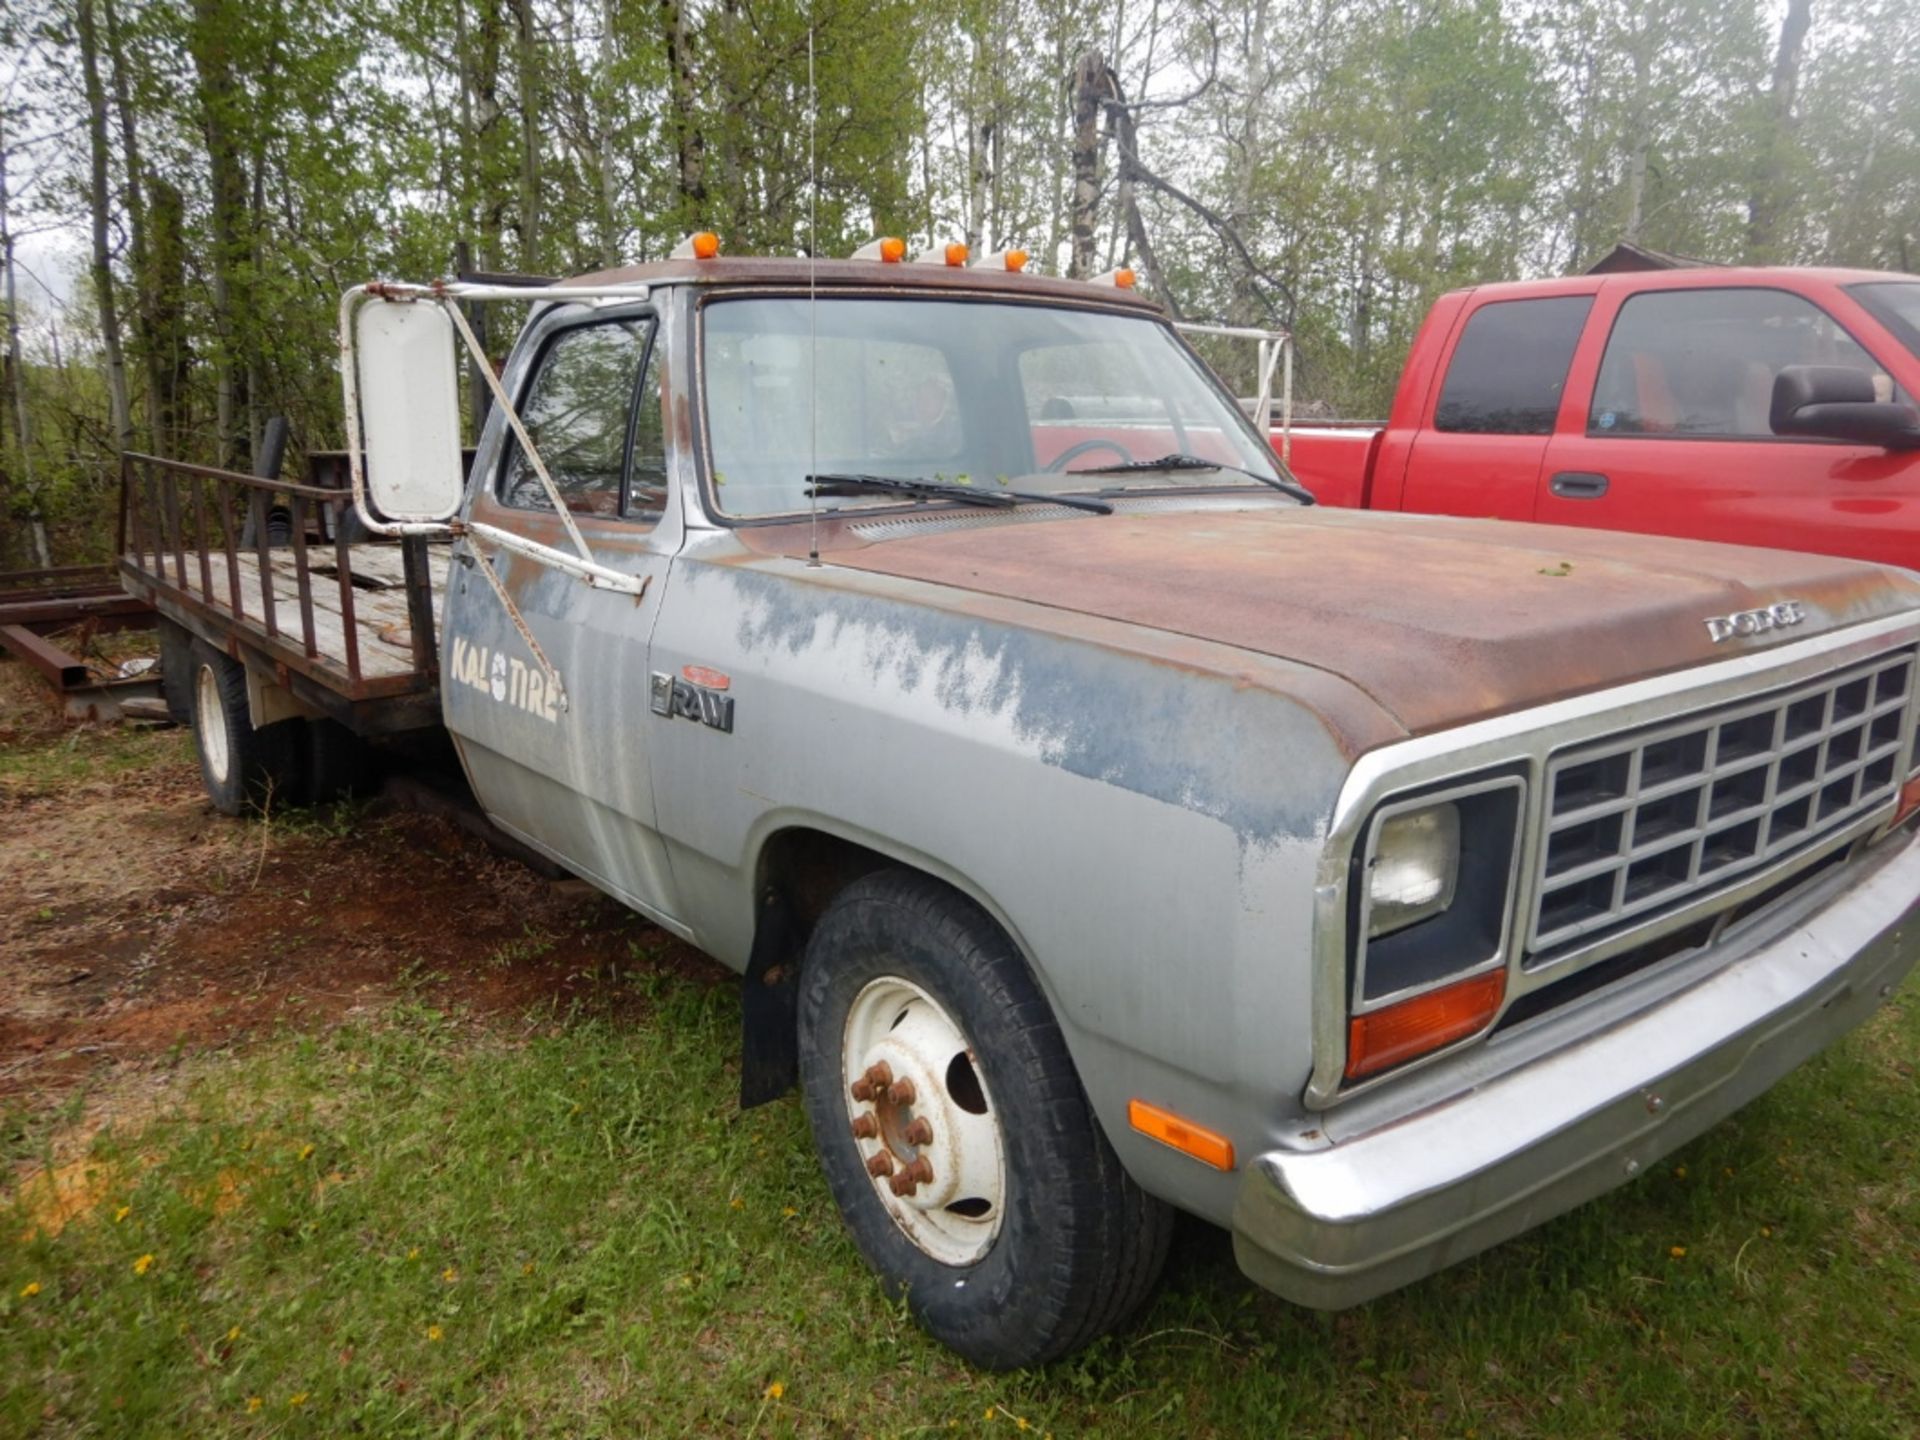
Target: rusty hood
[{"x": 1440, "y": 620}]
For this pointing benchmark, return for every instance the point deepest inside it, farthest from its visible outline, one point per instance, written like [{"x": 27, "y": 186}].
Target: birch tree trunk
[
  {"x": 118, "y": 413},
  {"x": 1767, "y": 202}
]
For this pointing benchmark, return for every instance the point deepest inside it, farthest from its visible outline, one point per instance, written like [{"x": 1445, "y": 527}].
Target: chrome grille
[{"x": 1639, "y": 825}]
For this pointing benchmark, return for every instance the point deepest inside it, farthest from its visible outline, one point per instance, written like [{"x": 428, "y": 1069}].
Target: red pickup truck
[{"x": 1758, "y": 406}]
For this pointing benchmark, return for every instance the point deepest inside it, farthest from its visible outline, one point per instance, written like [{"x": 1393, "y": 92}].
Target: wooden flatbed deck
[{"x": 348, "y": 626}]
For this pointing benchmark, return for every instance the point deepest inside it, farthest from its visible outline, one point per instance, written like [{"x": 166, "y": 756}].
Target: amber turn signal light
[
  {"x": 1204, "y": 1145},
  {"x": 701, "y": 245},
  {"x": 1383, "y": 1038}
]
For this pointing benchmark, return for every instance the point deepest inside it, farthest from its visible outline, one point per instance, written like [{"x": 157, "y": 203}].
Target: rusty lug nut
[
  {"x": 902, "y": 1184},
  {"x": 901, "y": 1092},
  {"x": 919, "y": 1132},
  {"x": 865, "y": 1127},
  {"x": 881, "y": 1074},
  {"x": 863, "y": 1090},
  {"x": 920, "y": 1172},
  {"x": 879, "y": 1165}
]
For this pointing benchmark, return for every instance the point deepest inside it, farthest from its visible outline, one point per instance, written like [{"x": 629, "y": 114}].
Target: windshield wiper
[
  {"x": 1179, "y": 461},
  {"x": 837, "y": 484}
]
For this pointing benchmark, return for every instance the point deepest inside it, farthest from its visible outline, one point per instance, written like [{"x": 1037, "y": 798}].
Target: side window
[
  {"x": 1702, "y": 362},
  {"x": 1511, "y": 365},
  {"x": 647, "y": 470},
  {"x": 578, "y": 412}
]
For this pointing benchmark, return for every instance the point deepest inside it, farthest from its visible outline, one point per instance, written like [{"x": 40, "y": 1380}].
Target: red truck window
[
  {"x": 1511, "y": 365},
  {"x": 1702, "y": 362}
]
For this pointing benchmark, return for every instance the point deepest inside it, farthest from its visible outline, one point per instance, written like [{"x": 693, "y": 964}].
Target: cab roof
[{"x": 844, "y": 275}]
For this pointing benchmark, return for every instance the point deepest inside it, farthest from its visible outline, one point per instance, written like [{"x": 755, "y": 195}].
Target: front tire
[{"x": 955, "y": 1135}]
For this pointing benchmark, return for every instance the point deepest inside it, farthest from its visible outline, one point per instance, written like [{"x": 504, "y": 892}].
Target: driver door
[{"x": 549, "y": 711}]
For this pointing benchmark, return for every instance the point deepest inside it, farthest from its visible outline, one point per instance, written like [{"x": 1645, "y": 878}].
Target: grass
[{"x": 426, "y": 1224}]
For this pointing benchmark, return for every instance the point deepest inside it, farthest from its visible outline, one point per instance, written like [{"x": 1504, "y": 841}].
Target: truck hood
[{"x": 1440, "y": 620}]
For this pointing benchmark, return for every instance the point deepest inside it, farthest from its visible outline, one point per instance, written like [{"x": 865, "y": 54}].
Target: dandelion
[
  {"x": 143, "y": 1264},
  {"x": 254, "y": 1402},
  {"x": 296, "y": 1400},
  {"x": 450, "y": 1274},
  {"x": 527, "y": 1269},
  {"x": 233, "y": 1334},
  {"x": 738, "y": 1203},
  {"x": 122, "y": 1213},
  {"x": 988, "y": 1415},
  {"x": 306, "y": 1151},
  {"x": 1679, "y": 1172},
  {"x": 789, "y": 1212},
  {"x": 414, "y": 1253},
  {"x": 30, "y": 1289},
  {"x": 1020, "y": 1423},
  {"x": 1678, "y": 1252},
  {"x": 775, "y": 1390},
  {"x": 1767, "y": 1230},
  {"x": 434, "y": 1332}
]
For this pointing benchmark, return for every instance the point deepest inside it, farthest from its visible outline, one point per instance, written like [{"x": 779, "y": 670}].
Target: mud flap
[{"x": 769, "y": 1008}]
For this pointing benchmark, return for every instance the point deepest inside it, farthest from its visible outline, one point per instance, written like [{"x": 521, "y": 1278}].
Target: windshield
[
  {"x": 976, "y": 393},
  {"x": 1896, "y": 305}
]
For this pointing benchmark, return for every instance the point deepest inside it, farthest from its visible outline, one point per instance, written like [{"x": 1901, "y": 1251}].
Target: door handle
[{"x": 1579, "y": 485}]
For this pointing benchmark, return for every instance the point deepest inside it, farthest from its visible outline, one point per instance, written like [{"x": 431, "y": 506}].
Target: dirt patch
[{"x": 135, "y": 921}]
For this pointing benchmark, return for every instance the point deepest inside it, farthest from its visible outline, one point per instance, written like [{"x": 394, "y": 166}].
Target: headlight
[
  {"x": 1414, "y": 870},
  {"x": 1435, "y": 888}
]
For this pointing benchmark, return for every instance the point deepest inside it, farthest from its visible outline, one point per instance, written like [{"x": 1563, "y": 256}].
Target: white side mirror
[{"x": 410, "y": 402}]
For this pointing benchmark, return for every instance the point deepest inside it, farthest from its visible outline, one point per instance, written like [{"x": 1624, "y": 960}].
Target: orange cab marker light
[
  {"x": 1121, "y": 279},
  {"x": 1188, "y": 1138},
  {"x": 1014, "y": 260},
  {"x": 701, "y": 245},
  {"x": 887, "y": 249},
  {"x": 956, "y": 254},
  {"x": 1909, "y": 800},
  {"x": 1383, "y": 1038}
]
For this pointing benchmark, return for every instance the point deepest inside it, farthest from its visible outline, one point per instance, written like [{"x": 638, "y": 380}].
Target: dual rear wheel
[{"x": 249, "y": 769}]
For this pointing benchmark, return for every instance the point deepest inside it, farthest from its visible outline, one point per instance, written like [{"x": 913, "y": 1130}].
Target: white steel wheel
[
  {"x": 924, "y": 1121},
  {"x": 210, "y": 724}
]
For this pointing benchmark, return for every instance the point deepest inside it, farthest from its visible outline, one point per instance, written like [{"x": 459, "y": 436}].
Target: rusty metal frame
[{"x": 198, "y": 574}]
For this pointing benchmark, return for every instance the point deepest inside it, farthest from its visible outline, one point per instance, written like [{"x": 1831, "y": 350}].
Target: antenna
[{"x": 813, "y": 325}]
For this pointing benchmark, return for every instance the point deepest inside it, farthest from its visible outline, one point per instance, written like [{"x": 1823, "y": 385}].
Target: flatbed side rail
[{"x": 190, "y": 529}]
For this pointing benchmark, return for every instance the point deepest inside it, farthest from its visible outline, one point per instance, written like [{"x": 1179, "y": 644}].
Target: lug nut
[
  {"x": 863, "y": 1090},
  {"x": 902, "y": 1184},
  {"x": 901, "y": 1092},
  {"x": 881, "y": 1074},
  {"x": 865, "y": 1127},
  {"x": 879, "y": 1165},
  {"x": 919, "y": 1132},
  {"x": 920, "y": 1172}
]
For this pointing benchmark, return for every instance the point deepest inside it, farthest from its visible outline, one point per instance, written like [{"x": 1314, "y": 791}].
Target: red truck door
[
  {"x": 1479, "y": 451},
  {"x": 1666, "y": 429}
]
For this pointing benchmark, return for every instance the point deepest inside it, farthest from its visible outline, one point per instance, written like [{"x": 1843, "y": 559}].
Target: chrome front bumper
[{"x": 1340, "y": 1225}]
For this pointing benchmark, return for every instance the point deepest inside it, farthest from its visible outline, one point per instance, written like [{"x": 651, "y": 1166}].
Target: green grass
[{"x": 424, "y": 1223}]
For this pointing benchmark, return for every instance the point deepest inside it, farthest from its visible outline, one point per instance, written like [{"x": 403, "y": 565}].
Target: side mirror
[
  {"x": 410, "y": 405},
  {"x": 1836, "y": 402}
]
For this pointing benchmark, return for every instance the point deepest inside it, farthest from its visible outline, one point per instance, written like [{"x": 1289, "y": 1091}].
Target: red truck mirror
[
  {"x": 409, "y": 398},
  {"x": 1837, "y": 402}
]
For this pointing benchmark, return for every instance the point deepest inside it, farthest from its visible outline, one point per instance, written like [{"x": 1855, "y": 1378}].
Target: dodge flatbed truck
[{"x": 1100, "y": 829}]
